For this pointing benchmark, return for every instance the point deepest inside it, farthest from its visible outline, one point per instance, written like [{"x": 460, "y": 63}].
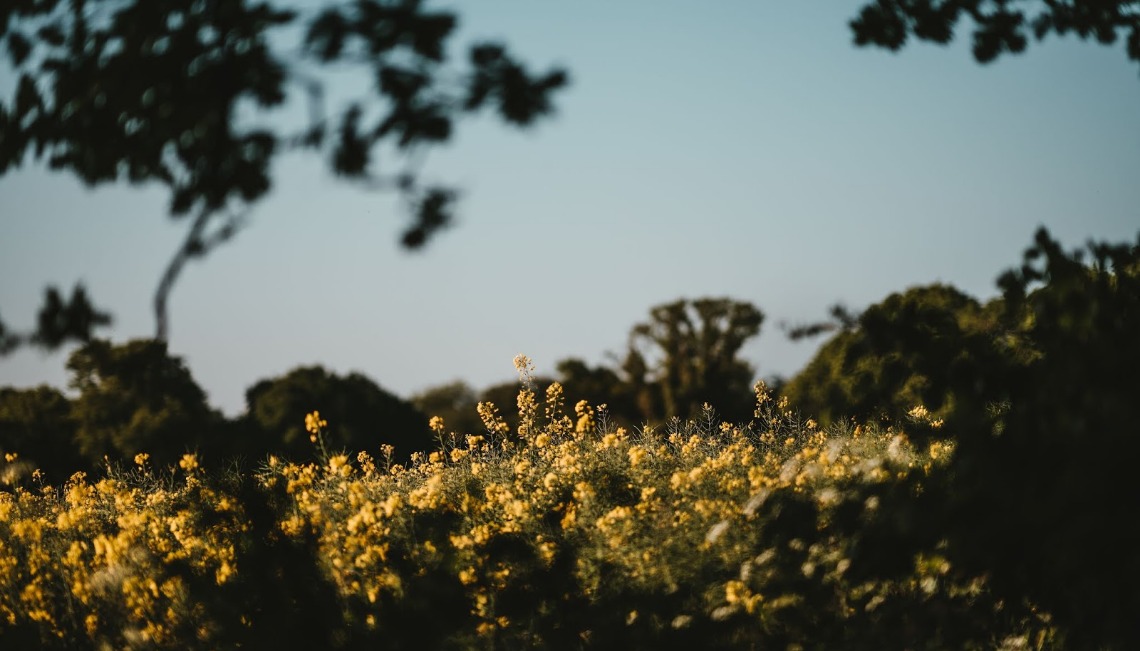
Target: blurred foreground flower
[{"x": 314, "y": 424}]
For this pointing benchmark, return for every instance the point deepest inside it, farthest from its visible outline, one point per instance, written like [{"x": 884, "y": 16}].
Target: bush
[
  {"x": 1042, "y": 492},
  {"x": 365, "y": 416}
]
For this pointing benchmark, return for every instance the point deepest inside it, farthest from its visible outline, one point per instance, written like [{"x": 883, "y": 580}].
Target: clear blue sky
[{"x": 742, "y": 149}]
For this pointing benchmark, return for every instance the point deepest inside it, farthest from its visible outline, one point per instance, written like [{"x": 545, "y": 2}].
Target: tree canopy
[
  {"x": 363, "y": 416},
  {"x": 136, "y": 397},
  {"x": 1037, "y": 389},
  {"x": 36, "y": 424},
  {"x": 998, "y": 27},
  {"x": 687, "y": 353},
  {"x": 186, "y": 94},
  {"x": 899, "y": 353}
]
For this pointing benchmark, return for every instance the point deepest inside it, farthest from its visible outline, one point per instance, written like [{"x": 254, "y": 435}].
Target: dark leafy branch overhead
[
  {"x": 1000, "y": 26},
  {"x": 59, "y": 322},
  {"x": 175, "y": 93}
]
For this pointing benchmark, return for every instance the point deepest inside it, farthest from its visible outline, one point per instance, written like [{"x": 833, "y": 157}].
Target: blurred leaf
[
  {"x": 433, "y": 213},
  {"x": 327, "y": 34},
  {"x": 997, "y": 27},
  {"x": 74, "y": 320},
  {"x": 19, "y": 48},
  {"x": 350, "y": 158},
  {"x": 51, "y": 34}
]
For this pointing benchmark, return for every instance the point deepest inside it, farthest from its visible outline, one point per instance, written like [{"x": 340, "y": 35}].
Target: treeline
[
  {"x": 930, "y": 345},
  {"x": 137, "y": 398},
  {"x": 686, "y": 354}
]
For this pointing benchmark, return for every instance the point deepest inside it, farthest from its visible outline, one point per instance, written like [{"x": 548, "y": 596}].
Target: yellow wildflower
[
  {"x": 189, "y": 463},
  {"x": 314, "y": 423},
  {"x": 585, "y": 415}
]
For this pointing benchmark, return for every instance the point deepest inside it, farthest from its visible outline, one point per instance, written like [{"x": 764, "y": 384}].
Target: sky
[{"x": 733, "y": 148}]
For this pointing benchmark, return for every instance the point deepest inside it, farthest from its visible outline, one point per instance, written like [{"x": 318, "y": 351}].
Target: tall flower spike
[
  {"x": 525, "y": 367},
  {"x": 314, "y": 423}
]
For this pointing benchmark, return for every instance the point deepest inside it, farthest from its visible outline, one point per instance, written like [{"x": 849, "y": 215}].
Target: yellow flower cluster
[
  {"x": 107, "y": 563},
  {"x": 314, "y": 423},
  {"x": 571, "y": 510}
]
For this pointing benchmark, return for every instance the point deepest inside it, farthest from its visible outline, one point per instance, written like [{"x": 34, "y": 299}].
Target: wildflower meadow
[{"x": 564, "y": 532}]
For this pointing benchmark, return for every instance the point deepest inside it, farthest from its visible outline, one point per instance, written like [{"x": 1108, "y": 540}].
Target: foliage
[
  {"x": 1062, "y": 446},
  {"x": 903, "y": 351},
  {"x": 707, "y": 535},
  {"x": 686, "y": 356},
  {"x": 999, "y": 27},
  {"x": 1001, "y": 517},
  {"x": 59, "y": 322},
  {"x": 36, "y": 425},
  {"x": 366, "y": 416},
  {"x": 183, "y": 93},
  {"x": 136, "y": 397},
  {"x": 1038, "y": 387},
  {"x": 601, "y": 385},
  {"x": 454, "y": 402},
  {"x": 149, "y": 559}
]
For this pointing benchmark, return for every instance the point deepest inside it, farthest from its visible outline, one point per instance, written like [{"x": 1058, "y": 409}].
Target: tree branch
[{"x": 196, "y": 245}]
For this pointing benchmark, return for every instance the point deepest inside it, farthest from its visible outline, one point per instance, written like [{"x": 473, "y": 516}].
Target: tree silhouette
[
  {"x": 37, "y": 425},
  {"x": 999, "y": 27},
  {"x": 454, "y": 402},
  {"x": 136, "y": 397},
  {"x": 688, "y": 352},
  {"x": 180, "y": 93},
  {"x": 599, "y": 385},
  {"x": 362, "y": 416}
]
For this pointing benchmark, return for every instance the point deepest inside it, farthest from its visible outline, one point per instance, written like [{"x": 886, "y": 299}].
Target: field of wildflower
[{"x": 565, "y": 532}]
